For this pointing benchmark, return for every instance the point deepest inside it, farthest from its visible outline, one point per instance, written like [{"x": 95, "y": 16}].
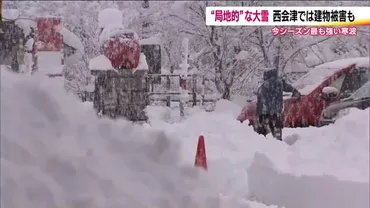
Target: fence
[{"x": 171, "y": 86}]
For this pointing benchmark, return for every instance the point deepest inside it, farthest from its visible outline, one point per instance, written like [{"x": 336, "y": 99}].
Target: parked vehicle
[
  {"x": 318, "y": 88},
  {"x": 360, "y": 100}
]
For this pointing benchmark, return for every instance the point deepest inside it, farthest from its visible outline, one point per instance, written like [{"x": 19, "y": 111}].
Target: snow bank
[
  {"x": 225, "y": 106},
  {"x": 55, "y": 153},
  {"x": 49, "y": 62},
  {"x": 271, "y": 186},
  {"x": 339, "y": 151},
  {"x": 110, "y": 16},
  {"x": 326, "y": 167}
]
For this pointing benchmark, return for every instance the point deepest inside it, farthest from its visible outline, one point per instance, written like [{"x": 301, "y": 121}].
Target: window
[
  {"x": 338, "y": 82},
  {"x": 363, "y": 92},
  {"x": 354, "y": 80}
]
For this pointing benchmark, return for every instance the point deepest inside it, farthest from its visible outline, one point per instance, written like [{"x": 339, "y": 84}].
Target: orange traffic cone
[{"x": 200, "y": 157}]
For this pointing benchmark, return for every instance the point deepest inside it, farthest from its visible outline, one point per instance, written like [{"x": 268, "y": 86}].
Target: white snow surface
[
  {"x": 29, "y": 44},
  {"x": 110, "y": 16},
  {"x": 49, "y": 62},
  {"x": 143, "y": 65},
  {"x": 71, "y": 39},
  {"x": 55, "y": 152},
  {"x": 100, "y": 62},
  {"x": 338, "y": 152},
  {"x": 329, "y": 90},
  {"x": 150, "y": 41},
  {"x": 26, "y": 25},
  {"x": 10, "y": 14},
  {"x": 112, "y": 30}
]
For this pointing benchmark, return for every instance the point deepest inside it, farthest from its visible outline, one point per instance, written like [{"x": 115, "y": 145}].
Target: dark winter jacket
[{"x": 270, "y": 94}]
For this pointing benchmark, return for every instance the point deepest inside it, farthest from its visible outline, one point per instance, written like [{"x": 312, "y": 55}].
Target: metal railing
[{"x": 172, "y": 87}]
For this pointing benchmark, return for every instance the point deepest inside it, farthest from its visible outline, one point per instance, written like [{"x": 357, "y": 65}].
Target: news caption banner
[{"x": 303, "y": 21}]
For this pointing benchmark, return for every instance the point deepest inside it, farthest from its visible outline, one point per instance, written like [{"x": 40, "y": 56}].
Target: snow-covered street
[{"x": 55, "y": 152}]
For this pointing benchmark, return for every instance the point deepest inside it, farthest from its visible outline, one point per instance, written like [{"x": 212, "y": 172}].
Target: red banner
[{"x": 48, "y": 37}]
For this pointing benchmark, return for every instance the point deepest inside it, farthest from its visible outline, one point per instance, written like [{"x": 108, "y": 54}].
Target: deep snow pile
[
  {"x": 55, "y": 153},
  {"x": 340, "y": 151},
  {"x": 342, "y": 146}
]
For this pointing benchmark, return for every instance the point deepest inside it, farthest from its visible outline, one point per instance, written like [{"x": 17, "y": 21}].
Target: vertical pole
[
  {"x": 146, "y": 22},
  {"x": 194, "y": 77},
  {"x": 1, "y": 11},
  {"x": 168, "y": 86},
  {"x": 183, "y": 76}
]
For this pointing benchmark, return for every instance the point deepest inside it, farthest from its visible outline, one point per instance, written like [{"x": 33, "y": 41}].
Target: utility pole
[
  {"x": 1, "y": 11},
  {"x": 146, "y": 21}
]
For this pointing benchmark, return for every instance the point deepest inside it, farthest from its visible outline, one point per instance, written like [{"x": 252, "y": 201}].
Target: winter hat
[{"x": 269, "y": 73}]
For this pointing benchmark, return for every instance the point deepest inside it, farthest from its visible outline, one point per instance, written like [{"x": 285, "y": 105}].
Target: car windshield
[
  {"x": 312, "y": 79},
  {"x": 363, "y": 92}
]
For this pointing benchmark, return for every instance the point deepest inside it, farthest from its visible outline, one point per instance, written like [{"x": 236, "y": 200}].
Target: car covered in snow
[
  {"x": 360, "y": 100},
  {"x": 320, "y": 87}
]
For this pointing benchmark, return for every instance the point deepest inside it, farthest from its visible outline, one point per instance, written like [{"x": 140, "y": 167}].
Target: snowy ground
[
  {"x": 331, "y": 162},
  {"x": 56, "y": 153}
]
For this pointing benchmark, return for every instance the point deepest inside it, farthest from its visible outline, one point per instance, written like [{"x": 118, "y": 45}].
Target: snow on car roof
[
  {"x": 308, "y": 82},
  {"x": 341, "y": 63}
]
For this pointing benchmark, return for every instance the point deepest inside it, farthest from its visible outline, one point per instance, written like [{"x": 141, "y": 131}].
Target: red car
[{"x": 321, "y": 86}]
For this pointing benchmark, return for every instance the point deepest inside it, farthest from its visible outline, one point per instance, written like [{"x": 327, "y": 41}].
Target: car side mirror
[{"x": 329, "y": 93}]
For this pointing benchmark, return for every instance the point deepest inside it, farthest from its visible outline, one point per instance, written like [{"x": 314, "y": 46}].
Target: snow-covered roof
[
  {"x": 317, "y": 75},
  {"x": 26, "y": 25},
  {"x": 110, "y": 16},
  {"x": 100, "y": 63},
  {"x": 71, "y": 39},
  {"x": 112, "y": 30}
]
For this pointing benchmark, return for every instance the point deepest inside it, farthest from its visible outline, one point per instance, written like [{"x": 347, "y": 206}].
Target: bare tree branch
[{"x": 291, "y": 55}]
